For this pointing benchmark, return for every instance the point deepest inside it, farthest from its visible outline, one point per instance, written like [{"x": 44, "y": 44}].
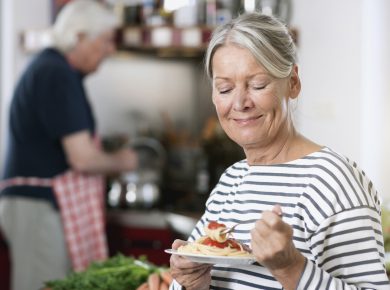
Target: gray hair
[
  {"x": 81, "y": 16},
  {"x": 264, "y": 36}
]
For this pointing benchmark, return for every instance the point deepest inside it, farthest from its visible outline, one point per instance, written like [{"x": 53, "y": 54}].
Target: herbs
[
  {"x": 386, "y": 228},
  {"x": 117, "y": 273}
]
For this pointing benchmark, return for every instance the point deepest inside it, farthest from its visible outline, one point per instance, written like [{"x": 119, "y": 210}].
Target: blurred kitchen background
[
  {"x": 343, "y": 57},
  {"x": 153, "y": 94}
]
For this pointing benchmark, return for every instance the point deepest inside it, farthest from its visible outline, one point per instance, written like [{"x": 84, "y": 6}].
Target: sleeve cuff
[
  {"x": 307, "y": 277},
  {"x": 176, "y": 286}
]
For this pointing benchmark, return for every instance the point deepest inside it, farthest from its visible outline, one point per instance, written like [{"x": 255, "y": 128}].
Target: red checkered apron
[{"x": 81, "y": 201}]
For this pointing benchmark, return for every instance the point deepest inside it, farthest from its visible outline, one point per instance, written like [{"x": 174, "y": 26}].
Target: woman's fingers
[
  {"x": 184, "y": 264},
  {"x": 273, "y": 218},
  {"x": 189, "y": 274},
  {"x": 277, "y": 209},
  {"x": 198, "y": 280},
  {"x": 177, "y": 243},
  {"x": 272, "y": 239}
]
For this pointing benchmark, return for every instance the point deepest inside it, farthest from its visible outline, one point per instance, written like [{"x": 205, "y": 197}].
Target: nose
[{"x": 241, "y": 100}]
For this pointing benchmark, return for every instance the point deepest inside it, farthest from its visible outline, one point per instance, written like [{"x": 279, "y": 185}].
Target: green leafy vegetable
[
  {"x": 386, "y": 235},
  {"x": 117, "y": 273},
  {"x": 386, "y": 228}
]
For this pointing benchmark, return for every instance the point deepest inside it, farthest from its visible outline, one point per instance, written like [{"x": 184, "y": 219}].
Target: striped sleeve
[
  {"x": 343, "y": 230},
  {"x": 175, "y": 286},
  {"x": 347, "y": 253}
]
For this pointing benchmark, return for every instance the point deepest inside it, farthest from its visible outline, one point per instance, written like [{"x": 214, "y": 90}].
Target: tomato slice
[
  {"x": 213, "y": 243},
  {"x": 233, "y": 244},
  {"x": 228, "y": 243},
  {"x": 214, "y": 225}
]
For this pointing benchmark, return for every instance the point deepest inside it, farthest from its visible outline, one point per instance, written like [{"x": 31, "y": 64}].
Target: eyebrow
[{"x": 249, "y": 77}]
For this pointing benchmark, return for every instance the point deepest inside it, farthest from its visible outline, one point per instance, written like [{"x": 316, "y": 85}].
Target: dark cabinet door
[
  {"x": 4, "y": 265},
  {"x": 133, "y": 241}
]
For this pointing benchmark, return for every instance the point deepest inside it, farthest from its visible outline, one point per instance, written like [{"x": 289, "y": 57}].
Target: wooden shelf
[
  {"x": 160, "y": 41},
  {"x": 166, "y": 52},
  {"x": 165, "y": 41}
]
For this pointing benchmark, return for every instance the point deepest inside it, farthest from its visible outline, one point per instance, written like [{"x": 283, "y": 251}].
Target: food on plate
[
  {"x": 216, "y": 243},
  {"x": 215, "y": 230}
]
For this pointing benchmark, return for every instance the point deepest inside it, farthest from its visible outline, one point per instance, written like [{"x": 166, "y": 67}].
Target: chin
[
  {"x": 247, "y": 142},
  {"x": 244, "y": 139},
  {"x": 241, "y": 141}
]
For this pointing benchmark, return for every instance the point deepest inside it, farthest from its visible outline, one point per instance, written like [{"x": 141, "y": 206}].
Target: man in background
[{"x": 54, "y": 166}]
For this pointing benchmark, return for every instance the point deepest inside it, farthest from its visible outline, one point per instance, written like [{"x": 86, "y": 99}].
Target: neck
[
  {"x": 278, "y": 151},
  {"x": 289, "y": 146}
]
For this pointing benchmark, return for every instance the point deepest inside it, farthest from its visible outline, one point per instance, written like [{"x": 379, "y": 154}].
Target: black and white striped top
[{"x": 332, "y": 207}]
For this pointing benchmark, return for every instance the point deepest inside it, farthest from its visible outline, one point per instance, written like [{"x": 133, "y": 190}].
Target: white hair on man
[{"x": 81, "y": 17}]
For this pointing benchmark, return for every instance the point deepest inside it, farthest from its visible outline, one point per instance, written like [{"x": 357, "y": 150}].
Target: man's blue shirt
[{"x": 49, "y": 102}]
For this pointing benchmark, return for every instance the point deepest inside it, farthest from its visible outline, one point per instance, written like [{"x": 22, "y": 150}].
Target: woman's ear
[
  {"x": 295, "y": 83},
  {"x": 81, "y": 36}
]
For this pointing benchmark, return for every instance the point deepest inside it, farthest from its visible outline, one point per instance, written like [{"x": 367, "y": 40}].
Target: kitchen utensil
[
  {"x": 229, "y": 230},
  {"x": 140, "y": 188},
  {"x": 151, "y": 154}
]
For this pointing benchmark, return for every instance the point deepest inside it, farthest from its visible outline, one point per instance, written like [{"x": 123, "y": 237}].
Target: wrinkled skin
[
  {"x": 193, "y": 276},
  {"x": 273, "y": 248}
]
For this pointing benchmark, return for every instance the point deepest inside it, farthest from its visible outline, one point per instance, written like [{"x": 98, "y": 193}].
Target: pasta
[
  {"x": 215, "y": 243},
  {"x": 215, "y": 233}
]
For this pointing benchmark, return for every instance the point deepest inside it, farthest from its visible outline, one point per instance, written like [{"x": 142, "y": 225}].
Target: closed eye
[
  {"x": 257, "y": 88},
  {"x": 225, "y": 91}
]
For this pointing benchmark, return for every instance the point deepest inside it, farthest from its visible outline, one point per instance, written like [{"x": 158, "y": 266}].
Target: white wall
[
  {"x": 375, "y": 101},
  {"x": 330, "y": 63},
  {"x": 345, "y": 63},
  {"x": 126, "y": 83},
  {"x": 16, "y": 16}
]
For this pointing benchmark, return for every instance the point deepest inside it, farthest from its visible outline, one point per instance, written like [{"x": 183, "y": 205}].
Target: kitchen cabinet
[
  {"x": 4, "y": 265},
  {"x": 138, "y": 232},
  {"x": 139, "y": 241}
]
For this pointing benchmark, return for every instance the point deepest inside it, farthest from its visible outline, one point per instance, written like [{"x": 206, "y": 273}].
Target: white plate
[{"x": 226, "y": 260}]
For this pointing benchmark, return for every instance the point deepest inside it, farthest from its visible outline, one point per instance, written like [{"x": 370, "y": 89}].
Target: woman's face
[{"x": 252, "y": 106}]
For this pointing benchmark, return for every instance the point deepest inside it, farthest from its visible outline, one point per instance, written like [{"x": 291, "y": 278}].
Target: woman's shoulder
[
  {"x": 339, "y": 166},
  {"x": 228, "y": 178},
  {"x": 234, "y": 172},
  {"x": 341, "y": 181}
]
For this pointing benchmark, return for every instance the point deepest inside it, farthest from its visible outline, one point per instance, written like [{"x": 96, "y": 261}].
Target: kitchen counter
[
  {"x": 180, "y": 222},
  {"x": 147, "y": 232},
  {"x": 4, "y": 264}
]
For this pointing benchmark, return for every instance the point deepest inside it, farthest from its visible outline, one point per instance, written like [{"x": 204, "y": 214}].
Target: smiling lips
[{"x": 246, "y": 121}]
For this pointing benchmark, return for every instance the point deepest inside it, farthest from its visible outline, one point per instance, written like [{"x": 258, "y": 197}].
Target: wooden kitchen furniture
[
  {"x": 4, "y": 265},
  {"x": 146, "y": 232}
]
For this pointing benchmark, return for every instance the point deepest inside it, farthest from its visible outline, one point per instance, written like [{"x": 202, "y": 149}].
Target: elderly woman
[
  {"x": 51, "y": 193},
  {"x": 309, "y": 214}
]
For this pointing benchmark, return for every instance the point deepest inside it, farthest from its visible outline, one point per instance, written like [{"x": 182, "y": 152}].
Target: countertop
[{"x": 180, "y": 222}]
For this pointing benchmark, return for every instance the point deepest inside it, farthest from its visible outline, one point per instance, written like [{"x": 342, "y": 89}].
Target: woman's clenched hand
[
  {"x": 193, "y": 276},
  {"x": 273, "y": 248}
]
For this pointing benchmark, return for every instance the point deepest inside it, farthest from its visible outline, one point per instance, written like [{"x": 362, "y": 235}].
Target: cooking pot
[{"x": 140, "y": 188}]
